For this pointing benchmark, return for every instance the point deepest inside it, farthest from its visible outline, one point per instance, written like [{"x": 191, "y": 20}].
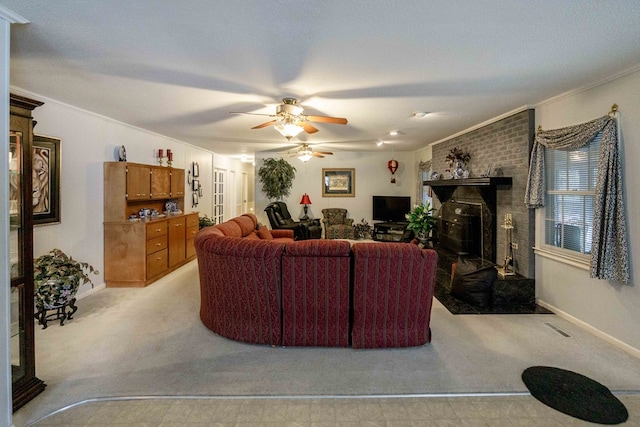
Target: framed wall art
[
  {"x": 338, "y": 182},
  {"x": 46, "y": 180}
]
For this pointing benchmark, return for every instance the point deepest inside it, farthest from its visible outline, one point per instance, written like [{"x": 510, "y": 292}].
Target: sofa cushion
[
  {"x": 229, "y": 229},
  {"x": 264, "y": 233},
  {"x": 246, "y": 223}
]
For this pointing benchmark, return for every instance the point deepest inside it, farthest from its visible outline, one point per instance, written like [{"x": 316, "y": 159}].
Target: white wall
[
  {"x": 88, "y": 140},
  {"x": 609, "y": 308},
  {"x": 371, "y": 178}
]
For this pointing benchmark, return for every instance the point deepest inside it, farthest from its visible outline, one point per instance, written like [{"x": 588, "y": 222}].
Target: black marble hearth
[{"x": 511, "y": 294}]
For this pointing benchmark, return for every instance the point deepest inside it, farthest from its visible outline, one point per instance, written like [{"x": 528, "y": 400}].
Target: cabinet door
[
  {"x": 177, "y": 237},
  {"x": 160, "y": 183},
  {"x": 177, "y": 182},
  {"x": 138, "y": 182}
]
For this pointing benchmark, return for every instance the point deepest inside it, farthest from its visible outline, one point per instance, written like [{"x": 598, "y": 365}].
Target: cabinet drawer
[
  {"x": 193, "y": 221},
  {"x": 191, "y": 232},
  {"x": 157, "y": 244},
  {"x": 157, "y": 262},
  {"x": 156, "y": 229}
]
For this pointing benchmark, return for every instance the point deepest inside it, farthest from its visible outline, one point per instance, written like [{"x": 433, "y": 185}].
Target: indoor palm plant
[
  {"x": 57, "y": 278},
  {"x": 421, "y": 221}
]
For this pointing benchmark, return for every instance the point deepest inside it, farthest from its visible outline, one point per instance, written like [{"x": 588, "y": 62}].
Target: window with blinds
[{"x": 571, "y": 178}]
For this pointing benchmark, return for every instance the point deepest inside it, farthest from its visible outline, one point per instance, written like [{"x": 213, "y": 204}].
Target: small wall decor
[
  {"x": 338, "y": 182},
  {"x": 195, "y": 184},
  {"x": 196, "y": 169},
  {"x": 392, "y": 165},
  {"x": 46, "y": 180}
]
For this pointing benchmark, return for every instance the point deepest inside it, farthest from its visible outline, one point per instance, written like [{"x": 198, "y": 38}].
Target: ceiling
[{"x": 179, "y": 68}]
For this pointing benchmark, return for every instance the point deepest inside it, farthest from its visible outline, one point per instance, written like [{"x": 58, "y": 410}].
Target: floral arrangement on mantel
[{"x": 457, "y": 155}]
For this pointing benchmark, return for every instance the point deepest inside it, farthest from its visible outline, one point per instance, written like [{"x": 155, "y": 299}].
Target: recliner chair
[{"x": 280, "y": 218}]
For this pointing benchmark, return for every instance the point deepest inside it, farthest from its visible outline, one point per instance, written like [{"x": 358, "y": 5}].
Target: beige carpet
[{"x": 146, "y": 342}]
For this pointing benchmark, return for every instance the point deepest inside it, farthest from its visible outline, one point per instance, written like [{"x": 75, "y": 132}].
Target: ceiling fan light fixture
[
  {"x": 305, "y": 157},
  {"x": 394, "y": 132},
  {"x": 288, "y": 129}
]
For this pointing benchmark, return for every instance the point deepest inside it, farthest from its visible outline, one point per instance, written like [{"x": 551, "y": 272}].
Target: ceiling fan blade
[
  {"x": 252, "y": 114},
  {"x": 325, "y": 119},
  {"x": 320, "y": 156},
  {"x": 328, "y": 153},
  {"x": 264, "y": 125},
  {"x": 308, "y": 128}
]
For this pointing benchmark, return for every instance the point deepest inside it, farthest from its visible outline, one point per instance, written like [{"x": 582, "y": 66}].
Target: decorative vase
[
  {"x": 459, "y": 171},
  {"x": 55, "y": 294}
]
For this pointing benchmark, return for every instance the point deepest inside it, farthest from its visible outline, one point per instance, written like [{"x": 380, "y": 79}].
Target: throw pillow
[
  {"x": 473, "y": 283},
  {"x": 264, "y": 233}
]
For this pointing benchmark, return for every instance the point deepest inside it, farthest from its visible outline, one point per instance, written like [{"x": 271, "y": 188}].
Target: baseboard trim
[
  {"x": 91, "y": 291},
  {"x": 597, "y": 332}
]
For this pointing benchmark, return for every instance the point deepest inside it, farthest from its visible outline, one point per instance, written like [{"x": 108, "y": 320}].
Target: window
[{"x": 571, "y": 178}]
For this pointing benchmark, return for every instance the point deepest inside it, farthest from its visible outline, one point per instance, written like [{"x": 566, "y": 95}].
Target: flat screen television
[{"x": 391, "y": 208}]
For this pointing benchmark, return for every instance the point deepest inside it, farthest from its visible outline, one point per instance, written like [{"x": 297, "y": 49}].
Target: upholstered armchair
[
  {"x": 280, "y": 218},
  {"x": 337, "y": 225}
]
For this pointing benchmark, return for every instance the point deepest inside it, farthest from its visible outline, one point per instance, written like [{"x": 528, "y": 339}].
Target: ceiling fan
[
  {"x": 305, "y": 153},
  {"x": 289, "y": 119}
]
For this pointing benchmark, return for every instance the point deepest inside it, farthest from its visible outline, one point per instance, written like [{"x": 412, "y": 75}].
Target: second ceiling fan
[{"x": 290, "y": 119}]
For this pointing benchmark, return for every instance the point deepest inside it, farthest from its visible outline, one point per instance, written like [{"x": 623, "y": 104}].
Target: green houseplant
[
  {"x": 276, "y": 177},
  {"x": 57, "y": 278},
  {"x": 421, "y": 220},
  {"x": 205, "y": 221}
]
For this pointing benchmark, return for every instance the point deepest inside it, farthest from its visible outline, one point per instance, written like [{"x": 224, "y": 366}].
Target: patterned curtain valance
[{"x": 609, "y": 247}]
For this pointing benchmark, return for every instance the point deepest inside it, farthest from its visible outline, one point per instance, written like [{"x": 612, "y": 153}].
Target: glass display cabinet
[{"x": 23, "y": 367}]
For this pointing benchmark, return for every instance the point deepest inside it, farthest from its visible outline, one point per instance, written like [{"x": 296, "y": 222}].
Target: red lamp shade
[
  {"x": 392, "y": 165},
  {"x": 305, "y": 199}
]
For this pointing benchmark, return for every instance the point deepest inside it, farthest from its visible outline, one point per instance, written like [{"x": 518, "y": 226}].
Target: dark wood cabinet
[{"x": 25, "y": 384}]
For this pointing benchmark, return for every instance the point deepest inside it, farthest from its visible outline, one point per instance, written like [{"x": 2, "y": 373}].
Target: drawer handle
[
  {"x": 158, "y": 229},
  {"x": 178, "y": 225},
  {"x": 159, "y": 258},
  {"x": 158, "y": 244}
]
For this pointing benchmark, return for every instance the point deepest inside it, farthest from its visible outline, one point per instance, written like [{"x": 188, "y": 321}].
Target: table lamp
[{"x": 305, "y": 201}]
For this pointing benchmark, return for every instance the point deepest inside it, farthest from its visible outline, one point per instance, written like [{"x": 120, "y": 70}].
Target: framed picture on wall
[
  {"x": 196, "y": 169},
  {"x": 46, "y": 180},
  {"x": 338, "y": 182},
  {"x": 195, "y": 184}
]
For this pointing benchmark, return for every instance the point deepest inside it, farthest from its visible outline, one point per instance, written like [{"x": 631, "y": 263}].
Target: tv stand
[{"x": 392, "y": 232}]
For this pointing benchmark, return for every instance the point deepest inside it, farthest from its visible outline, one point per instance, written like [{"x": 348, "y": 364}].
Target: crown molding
[{"x": 11, "y": 16}]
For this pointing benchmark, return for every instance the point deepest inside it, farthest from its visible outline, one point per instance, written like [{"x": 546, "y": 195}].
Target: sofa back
[
  {"x": 393, "y": 287},
  {"x": 240, "y": 283},
  {"x": 315, "y": 293}
]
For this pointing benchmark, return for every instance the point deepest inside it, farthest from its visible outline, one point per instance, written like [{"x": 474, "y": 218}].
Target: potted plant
[
  {"x": 205, "y": 221},
  {"x": 57, "y": 278},
  {"x": 276, "y": 177},
  {"x": 362, "y": 230},
  {"x": 421, "y": 221}
]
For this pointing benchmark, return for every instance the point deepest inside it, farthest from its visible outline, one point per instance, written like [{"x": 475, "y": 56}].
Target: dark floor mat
[{"x": 574, "y": 394}]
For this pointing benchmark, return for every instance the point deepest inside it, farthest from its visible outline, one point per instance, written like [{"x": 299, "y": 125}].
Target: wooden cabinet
[
  {"x": 177, "y": 182},
  {"x": 177, "y": 240},
  {"x": 25, "y": 384},
  {"x": 138, "y": 181},
  {"x": 137, "y": 253},
  {"x": 161, "y": 183},
  {"x": 193, "y": 225}
]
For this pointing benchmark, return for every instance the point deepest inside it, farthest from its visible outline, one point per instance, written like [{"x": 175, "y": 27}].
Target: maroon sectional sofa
[{"x": 260, "y": 286}]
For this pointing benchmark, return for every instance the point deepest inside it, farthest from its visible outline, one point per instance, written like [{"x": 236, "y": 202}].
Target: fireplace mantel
[{"x": 444, "y": 188}]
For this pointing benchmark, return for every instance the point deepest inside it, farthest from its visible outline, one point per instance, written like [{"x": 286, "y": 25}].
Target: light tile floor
[{"x": 481, "y": 410}]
